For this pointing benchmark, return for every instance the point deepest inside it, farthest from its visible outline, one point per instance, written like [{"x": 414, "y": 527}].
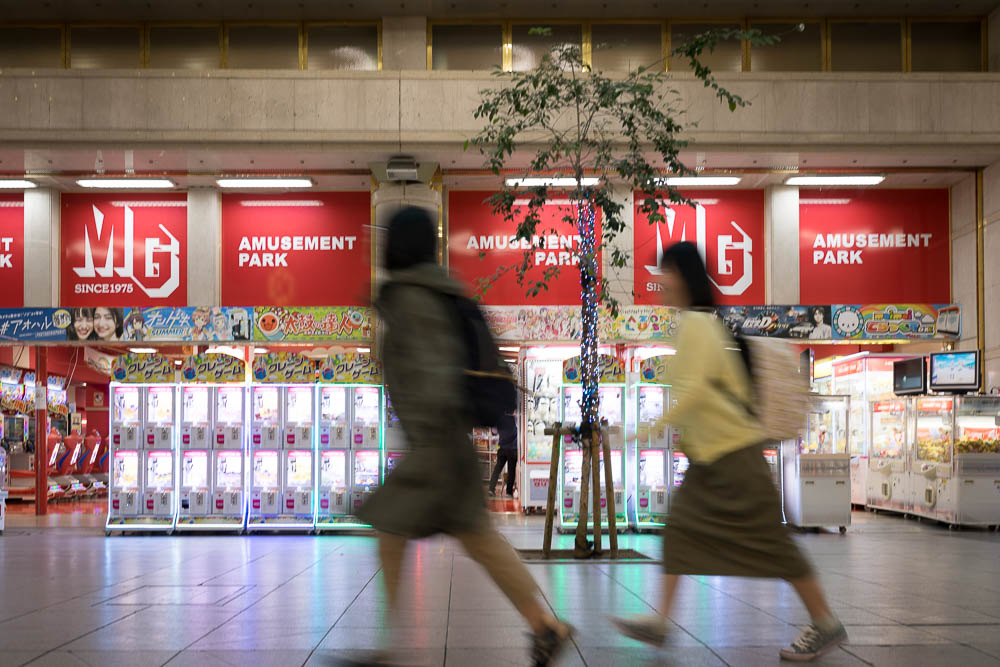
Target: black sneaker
[
  {"x": 549, "y": 644},
  {"x": 813, "y": 643}
]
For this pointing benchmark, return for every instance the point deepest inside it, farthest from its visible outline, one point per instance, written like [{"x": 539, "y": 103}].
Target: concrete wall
[
  {"x": 991, "y": 276},
  {"x": 396, "y": 110},
  {"x": 41, "y": 247},
  {"x": 963, "y": 258}
]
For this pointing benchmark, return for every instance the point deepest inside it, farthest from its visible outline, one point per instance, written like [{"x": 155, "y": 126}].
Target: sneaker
[
  {"x": 813, "y": 643},
  {"x": 549, "y": 644},
  {"x": 651, "y": 630}
]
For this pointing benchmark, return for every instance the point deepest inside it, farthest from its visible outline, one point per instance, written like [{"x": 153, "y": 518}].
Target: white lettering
[
  {"x": 244, "y": 258},
  {"x": 6, "y": 262},
  {"x": 818, "y": 255},
  {"x": 281, "y": 259},
  {"x": 818, "y": 241},
  {"x": 297, "y": 243},
  {"x": 244, "y": 244}
]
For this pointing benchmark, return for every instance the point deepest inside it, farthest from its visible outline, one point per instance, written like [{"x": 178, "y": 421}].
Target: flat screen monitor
[
  {"x": 909, "y": 376},
  {"x": 955, "y": 371}
]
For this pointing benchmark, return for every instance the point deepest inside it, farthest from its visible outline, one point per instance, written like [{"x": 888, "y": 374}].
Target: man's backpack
[
  {"x": 781, "y": 392},
  {"x": 490, "y": 386}
]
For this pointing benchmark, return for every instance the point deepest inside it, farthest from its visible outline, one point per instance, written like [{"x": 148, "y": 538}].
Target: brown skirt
[{"x": 725, "y": 520}]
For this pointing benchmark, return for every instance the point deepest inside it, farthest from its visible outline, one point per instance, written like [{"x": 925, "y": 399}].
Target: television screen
[
  {"x": 955, "y": 371},
  {"x": 909, "y": 376}
]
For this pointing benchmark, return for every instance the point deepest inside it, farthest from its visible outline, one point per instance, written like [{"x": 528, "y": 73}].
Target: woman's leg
[
  {"x": 391, "y": 550},
  {"x": 668, "y": 593},
  {"x": 812, "y": 597}
]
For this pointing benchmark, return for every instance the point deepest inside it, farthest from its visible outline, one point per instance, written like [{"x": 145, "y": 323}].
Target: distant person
[
  {"x": 506, "y": 454},
  {"x": 437, "y": 487},
  {"x": 725, "y": 519}
]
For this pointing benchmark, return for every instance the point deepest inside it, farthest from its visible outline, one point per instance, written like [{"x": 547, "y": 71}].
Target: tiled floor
[{"x": 910, "y": 594}]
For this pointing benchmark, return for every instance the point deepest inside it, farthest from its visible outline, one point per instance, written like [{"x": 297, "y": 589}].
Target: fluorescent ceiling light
[
  {"x": 16, "y": 184},
  {"x": 143, "y": 350},
  {"x": 587, "y": 181},
  {"x": 509, "y": 349},
  {"x": 260, "y": 350},
  {"x": 680, "y": 181},
  {"x": 264, "y": 182},
  {"x": 510, "y": 361},
  {"x": 126, "y": 183},
  {"x": 835, "y": 180}
]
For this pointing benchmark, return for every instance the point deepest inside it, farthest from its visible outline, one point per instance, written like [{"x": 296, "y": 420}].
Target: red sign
[
  {"x": 481, "y": 243},
  {"x": 12, "y": 251},
  {"x": 124, "y": 249},
  {"x": 728, "y": 228},
  {"x": 874, "y": 246},
  {"x": 298, "y": 249}
]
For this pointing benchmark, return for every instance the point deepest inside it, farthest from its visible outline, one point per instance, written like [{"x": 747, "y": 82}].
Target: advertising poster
[
  {"x": 874, "y": 246},
  {"x": 283, "y": 367},
  {"x": 802, "y": 322},
  {"x": 33, "y": 324},
  {"x": 332, "y": 323},
  {"x": 655, "y": 370},
  {"x": 612, "y": 370},
  {"x": 728, "y": 228},
  {"x": 896, "y": 321},
  {"x": 12, "y": 251},
  {"x": 201, "y": 323},
  {"x": 350, "y": 369},
  {"x": 481, "y": 244},
  {"x": 296, "y": 249},
  {"x": 123, "y": 249},
  {"x": 142, "y": 368},
  {"x": 213, "y": 368},
  {"x": 564, "y": 323}
]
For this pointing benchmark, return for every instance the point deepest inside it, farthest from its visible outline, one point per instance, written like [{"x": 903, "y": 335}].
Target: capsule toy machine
[
  {"x": 649, "y": 501},
  {"x": 143, "y": 444},
  {"x": 350, "y": 415},
  {"x": 816, "y": 479},
  {"x": 611, "y": 409},
  {"x": 888, "y": 456},
  {"x": 865, "y": 378},
  {"x": 282, "y": 400},
  {"x": 213, "y": 440}
]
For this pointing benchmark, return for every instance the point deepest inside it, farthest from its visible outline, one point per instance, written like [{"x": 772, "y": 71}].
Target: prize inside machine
[
  {"x": 865, "y": 378},
  {"x": 612, "y": 409},
  {"x": 888, "y": 478},
  {"x": 142, "y": 462},
  {"x": 366, "y": 443},
  {"x": 541, "y": 375},
  {"x": 281, "y": 447},
  {"x": 212, "y": 444},
  {"x": 816, "y": 480},
  {"x": 649, "y": 503}
]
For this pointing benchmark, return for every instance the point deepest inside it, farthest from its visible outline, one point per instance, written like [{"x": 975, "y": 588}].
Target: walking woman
[
  {"x": 437, "y": 488},
  {"x": 725, "y": 519}
]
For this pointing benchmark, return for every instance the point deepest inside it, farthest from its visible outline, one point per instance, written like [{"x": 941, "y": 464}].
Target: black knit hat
[{"x": 412, "y": 239}]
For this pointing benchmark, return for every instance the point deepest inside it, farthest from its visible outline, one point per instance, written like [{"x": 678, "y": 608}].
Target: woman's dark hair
[
  {"x": 412, "y": 239},
  {"x": 81, "y": 313},
  {"x": 685, "y": 259}
]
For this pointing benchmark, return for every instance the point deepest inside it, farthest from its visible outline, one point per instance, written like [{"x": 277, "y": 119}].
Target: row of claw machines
[
  {"x": 812, "y": 472},
  {"x": 291, "y": 446}
]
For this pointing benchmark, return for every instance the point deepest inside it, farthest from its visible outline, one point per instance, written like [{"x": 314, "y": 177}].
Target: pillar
[
  {"x": 41, "y": 247},
  {"x": 41, "y": 432},
  {"x": 621, "y": 281},
  {"x": 963, "y": 259},
  {"x": 781, "y": 244},
  {"x": 988, "y": 275},
  {"x": 389, "y": 198},
  {"x": 204, "y": 234}
]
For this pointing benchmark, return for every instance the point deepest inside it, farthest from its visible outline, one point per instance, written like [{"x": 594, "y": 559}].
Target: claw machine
[
  {"x": 612, "y": 409},
  {"x": 350, "y": 442},
  {"x": 931, "y": 490},
  {"x": 393, "y": 439},
  {"x": 649, "y": 501},
  {"x": 976, "y": 481},
  {"x": 888, "y": 473},
  {"x": 213, "y": 444},
  {"x": 143, "y": 444},
  {"x": 282, "y": 447},
  {"x": 816, "y": 469},
  {"x": 865, "y": 378}
]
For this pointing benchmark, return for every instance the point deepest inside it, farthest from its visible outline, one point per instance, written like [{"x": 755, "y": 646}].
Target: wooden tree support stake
[
  {"x": 609, "y": 487},
  {"x": 550, "y": 505}
]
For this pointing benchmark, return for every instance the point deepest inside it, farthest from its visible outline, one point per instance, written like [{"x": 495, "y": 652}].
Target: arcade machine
[
  {"x": 393, "y": 439},
  {"x": 212, "y": 444},
  {"x": 816, "y": 480},
  {"x": 350, "y": 446},
  {"x": 68, "y": 466},
  {"x": 866, "y": 379},
  {"x": 653, "y": 460},
  {"x": 89, "y": 465},
  {"x": 57, "y": 451},
  {"x": 3, "y": 488},
  {"x": 888, "y": 478},
  {"x": 281, "y": 444},
  {"x": 143, "y": 445},
  {"x": 612, "y": 409}
]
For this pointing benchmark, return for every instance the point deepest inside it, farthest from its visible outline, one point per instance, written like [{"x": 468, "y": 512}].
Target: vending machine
[
  {"x": 213, "y": 443},
  {"x": 888, "y": 470},
  {"x": 143, "y": 444},
  {"x": 612, "y": 409},
  {"x": 649, "y": 501},
  {"x": 283, "y": 406},
  {"x": 816, "y": 480}
]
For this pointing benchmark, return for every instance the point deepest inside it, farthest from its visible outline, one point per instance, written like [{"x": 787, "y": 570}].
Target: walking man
[{"x": 506, "y": 454}]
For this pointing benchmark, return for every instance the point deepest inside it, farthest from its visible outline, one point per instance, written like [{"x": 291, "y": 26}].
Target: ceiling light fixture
[
  {"x": 857, "y": 179},
  {"x": 538, "y": 182},
  {"x": 126, "y": 183},
  {"x": 509, "y": 349},
  {"x": 264, "y": 183},
  {"x": 260, "y": 350},
  {"x": 16, "y": 184},
  {"x": 698, "y": 181}
]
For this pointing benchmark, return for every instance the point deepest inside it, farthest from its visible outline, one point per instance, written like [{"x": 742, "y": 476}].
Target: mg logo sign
[
  {"x": 728, "y": 229},
  {"x": 124, "y": 250}
]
